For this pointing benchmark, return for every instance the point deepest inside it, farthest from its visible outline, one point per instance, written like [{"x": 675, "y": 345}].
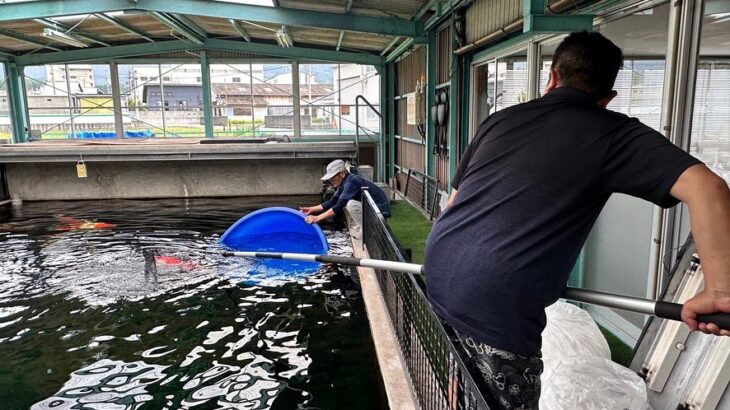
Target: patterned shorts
[{"x": 513, "y": 380}]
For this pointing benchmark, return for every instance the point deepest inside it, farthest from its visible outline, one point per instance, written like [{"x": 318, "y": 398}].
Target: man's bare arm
[
  {"x": 708, "y": 198},
  {"x": 451, "y": 197}
]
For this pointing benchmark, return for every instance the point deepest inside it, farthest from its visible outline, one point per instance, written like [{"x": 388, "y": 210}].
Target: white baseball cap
[{"x": 334, "y": 168}]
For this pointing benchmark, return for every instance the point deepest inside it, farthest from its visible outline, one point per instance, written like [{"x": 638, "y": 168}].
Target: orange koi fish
[{"x": 73, "y": 224}]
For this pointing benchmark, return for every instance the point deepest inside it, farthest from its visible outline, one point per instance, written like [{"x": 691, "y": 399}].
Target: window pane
[
  {"x": 50, "y": 107},
  {"x": 141, "y": 96},
  {"x": 350, "y": 81},
  {"x": 511, "y": 81},
  {"x": 710, "y": 140},
  {"x": 70, "y": 101},
  {"x": 237, "y": 112},
  {"x": 6, "y": 127},
  {"x": 485, "y": 79},
  {"x": 277, "y": 99},
  {"x": 92, "y": 95},
  {"x": 182, "y": 100},
  {"x": 318, "y": 99}
]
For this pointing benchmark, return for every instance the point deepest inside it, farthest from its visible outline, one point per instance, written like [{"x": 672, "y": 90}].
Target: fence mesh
[
  {"x": 435, "y": 366},
  {"x": 422, "y": 191}
]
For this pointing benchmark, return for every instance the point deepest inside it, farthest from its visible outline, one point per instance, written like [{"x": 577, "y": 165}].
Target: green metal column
[
  {"x": 116, "y": 100},
  {"x": 391, "y": 119},
  {"x": 296, "y": 103},
  {"x": 465, "y": 101},
  {"x": 431, "y": 81},
  {"x": 381, "y": 171},
  {"x": 16, "y": 100},
  {"x": 207, "y": 102},
  {"x": 453, "y": 111}
]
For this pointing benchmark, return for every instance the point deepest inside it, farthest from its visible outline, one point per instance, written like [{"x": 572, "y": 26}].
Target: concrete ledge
[
  {"x": 168, "y": 150},
  {"x": 392, "y": 366},
  {"x": 165, "y": 179},
  {"x": 46, "y": 170}
]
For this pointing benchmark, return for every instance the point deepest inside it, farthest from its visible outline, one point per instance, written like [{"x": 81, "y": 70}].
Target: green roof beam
[
  {"x": 29, "y": 10},
  {"x": 339, "y": 42},
  {"x": 284, "y": 16},
  {"x": 125, "y": 26},
  {"x": 5, "y": 53},
  {"x": 217, "y": 9},
  {"x": 240, "y": 29},
  {"x": 189, "y": 23},
  {"x": 399, "y": 50},
  {"x": 171, "y": 22},
  {"x": 26, "y": 39},
  {"x": 67, "y": 29},
  {"x": 391, "y": 44},
  {"x": 423, "y": 9},
  {"x": 131, "y": 50}
]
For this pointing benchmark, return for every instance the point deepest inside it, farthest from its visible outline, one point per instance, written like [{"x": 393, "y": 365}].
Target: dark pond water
[{"x": 120, "y": 305}]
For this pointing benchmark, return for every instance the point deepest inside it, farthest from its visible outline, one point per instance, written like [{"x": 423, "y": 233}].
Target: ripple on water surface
[{"x": 121, "y": 305}]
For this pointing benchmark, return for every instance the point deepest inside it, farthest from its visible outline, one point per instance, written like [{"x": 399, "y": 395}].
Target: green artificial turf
[
  {"x": 620, "y": 352},
  {"x": 410, "y": 228}
]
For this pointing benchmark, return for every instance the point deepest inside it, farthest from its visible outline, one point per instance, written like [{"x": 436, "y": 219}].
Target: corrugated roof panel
[
  {"x": 381, "y": 8},
  {"x": 487, "y": 16}
]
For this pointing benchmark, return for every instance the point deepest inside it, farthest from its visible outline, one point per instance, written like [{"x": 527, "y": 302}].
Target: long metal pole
[{"x": 661, "y": 309}]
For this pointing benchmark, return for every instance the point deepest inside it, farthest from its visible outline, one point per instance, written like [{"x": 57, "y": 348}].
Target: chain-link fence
[{"x": 436, "y": 369}]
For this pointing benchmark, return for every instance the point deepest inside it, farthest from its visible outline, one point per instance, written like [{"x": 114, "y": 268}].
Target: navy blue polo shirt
[
  {"x": 530, "y": 187},
  {"x": 351, "y": 188}
]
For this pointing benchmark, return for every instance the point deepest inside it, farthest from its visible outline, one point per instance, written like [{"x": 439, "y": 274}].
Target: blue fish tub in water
[{"x": 277, "y": 229}]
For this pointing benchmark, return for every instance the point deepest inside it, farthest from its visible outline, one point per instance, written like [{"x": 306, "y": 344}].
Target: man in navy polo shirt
[
  {"x": 525, "y": 196},
  {"x": 347, "y": 195}
]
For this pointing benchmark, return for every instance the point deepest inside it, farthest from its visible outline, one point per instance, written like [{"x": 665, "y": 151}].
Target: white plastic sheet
[
  {"x": 571, "y": 331},
  {"x": 579, "y": 373}
]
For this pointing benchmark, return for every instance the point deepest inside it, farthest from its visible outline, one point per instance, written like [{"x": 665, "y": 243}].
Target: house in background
[
  {"x": 177, "y": 96},
  {"x": 273, "y": 103}
]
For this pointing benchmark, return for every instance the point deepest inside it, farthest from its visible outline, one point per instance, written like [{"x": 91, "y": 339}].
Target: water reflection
[{"x": 140, "y": 313}]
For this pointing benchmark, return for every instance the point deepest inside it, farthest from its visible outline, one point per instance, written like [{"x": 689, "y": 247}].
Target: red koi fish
[
  {"x": 173, "y": 261},
  {"x": 73, "y": 224}
]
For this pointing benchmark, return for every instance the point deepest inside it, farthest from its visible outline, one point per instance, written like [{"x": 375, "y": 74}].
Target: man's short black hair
[{"x": 588, "y": 61}]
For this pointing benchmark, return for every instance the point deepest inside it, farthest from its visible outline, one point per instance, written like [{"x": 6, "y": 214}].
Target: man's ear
[
  {"x": 553, "y": 80},
  {"x": 607, "y": 99}
]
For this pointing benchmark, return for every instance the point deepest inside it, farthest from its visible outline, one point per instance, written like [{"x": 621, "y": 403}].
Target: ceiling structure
[{"x": 363, "y": 31}]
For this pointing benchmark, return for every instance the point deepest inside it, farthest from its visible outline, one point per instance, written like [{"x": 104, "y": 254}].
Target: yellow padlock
[{"x": 81, "y": 169}]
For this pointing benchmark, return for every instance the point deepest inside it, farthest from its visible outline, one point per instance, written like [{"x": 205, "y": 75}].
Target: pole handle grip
[{"x": 673, "y": 311}]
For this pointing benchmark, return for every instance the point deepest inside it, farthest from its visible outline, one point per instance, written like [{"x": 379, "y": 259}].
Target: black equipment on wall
[{"x": 440, "y": 116}]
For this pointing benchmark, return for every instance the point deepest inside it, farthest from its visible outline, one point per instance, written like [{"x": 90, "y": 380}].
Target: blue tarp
[
  {"x": 110, "y": 134},
  {"x": 277, "y": 229}
]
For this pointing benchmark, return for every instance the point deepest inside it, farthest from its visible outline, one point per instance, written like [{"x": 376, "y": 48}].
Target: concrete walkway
[{"x": 392, "y": 367}]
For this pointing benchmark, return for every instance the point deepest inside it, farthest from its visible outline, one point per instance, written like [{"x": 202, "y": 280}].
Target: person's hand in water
[{"x": 306, "y": 209}]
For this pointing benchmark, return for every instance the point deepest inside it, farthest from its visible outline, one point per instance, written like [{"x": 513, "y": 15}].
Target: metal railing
[
  {"x": 423, "y": 192},
  {"x": 435, "y": 365},
  {"x": 357, "y": 124}
]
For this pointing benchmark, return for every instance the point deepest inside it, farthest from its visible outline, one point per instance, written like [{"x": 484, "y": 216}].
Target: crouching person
[{"x": 348, "y": 195}]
